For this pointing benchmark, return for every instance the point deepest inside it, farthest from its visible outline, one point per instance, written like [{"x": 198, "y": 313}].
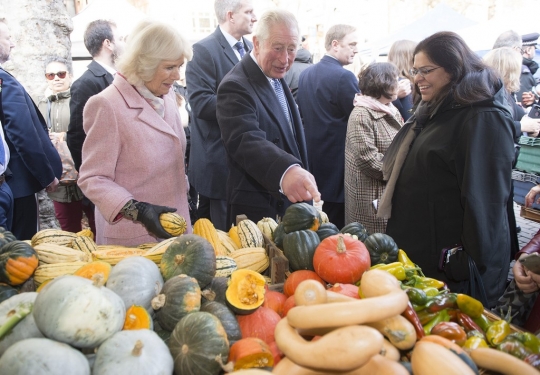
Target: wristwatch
[{"x": 130, "y": 210}]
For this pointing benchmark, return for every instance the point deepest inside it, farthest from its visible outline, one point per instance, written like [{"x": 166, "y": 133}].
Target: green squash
[
  {"x": 196, "y": 344},
  {"x": 355, "y": 229},
  {"x": 190, "y": 255},
  {"x": 180, "y": 296},
  {"x": 382, "y": 248},
  {"x": 18, "y": 261},
  {"x": 327, "y": 230},
  {"x": 279, "y": 233},
  {"x": 227, "y": 319},
  {"x": 6, "y": 236},
  {"x": 215, "y": 291},
  {"x": 299, "y": 248},
  {"x": 6, "y": 292},
  {"x": 301, "y": 216}
]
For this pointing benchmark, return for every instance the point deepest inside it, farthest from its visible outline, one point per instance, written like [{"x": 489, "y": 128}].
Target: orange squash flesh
[
  {"x": 137, "y": 317},
  {"x": 98, "y": 266},
  {"x": 250, "y": 352}
]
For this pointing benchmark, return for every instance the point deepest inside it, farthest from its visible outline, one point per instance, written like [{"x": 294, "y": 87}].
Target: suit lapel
[{"x": 227, "y": 49}]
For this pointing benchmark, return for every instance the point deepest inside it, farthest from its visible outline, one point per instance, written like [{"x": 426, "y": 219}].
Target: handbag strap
[{"x": 476, "y": 283}]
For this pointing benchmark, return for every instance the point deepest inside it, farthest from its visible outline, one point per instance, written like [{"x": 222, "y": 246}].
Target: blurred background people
[
  {"x": 373, "y": 123},
  {"x": 54, "y": 106},
  {"x": 133, "y": 155},
  {"x": 401, "y": 55},
  {"x": 528, "y": 69},
  {"x": 302, "y": 61}
]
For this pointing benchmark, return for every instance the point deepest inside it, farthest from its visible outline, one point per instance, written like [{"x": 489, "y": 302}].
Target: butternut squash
[
  {"x": 428, "y": 357},
  {"x": 398, "y": 330},
  {"x": 504, "y": 363}
]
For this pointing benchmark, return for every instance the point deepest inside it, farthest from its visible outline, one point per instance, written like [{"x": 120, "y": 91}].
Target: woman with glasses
[
  {"x": 449, "y": 169},
  {"x": 54, "y": 106},
  {"x": 372, "y": 125}
]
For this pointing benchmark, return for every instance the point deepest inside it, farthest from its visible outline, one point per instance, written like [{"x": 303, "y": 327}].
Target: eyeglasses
[
  {"x": 61, "y": 75},
  {"x": 422, "y": 71}
]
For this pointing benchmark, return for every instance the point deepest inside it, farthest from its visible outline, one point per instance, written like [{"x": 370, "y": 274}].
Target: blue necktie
[
  {"x": 240, "y": 47},
  {"x": 278, "y": 89},
  {"x": 2, "y": 150}
]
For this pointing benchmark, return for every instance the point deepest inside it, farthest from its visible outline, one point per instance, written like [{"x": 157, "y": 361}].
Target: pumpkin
[
  {"x": 43, "y": 356},
  {"x": 26, "y": 328},
  {"x": 227, "y": 319},
  {"x": 289, "y": 304},
  {"x": 199, "y": 345},
  {"x": 327, "y": 230},
  {"x": 173, "y": 223},
  {"x": 341, "y": 259},
  {"x": 6, "y": 292},
  {"x": 6, "y": 236},
  {"x": 299, "y": 248},
  {"x": 355, "y": 229},
  {"x": 133, "y": 352},
  {"x": 78, "y": 311},
  {"x": 251, "y": 258},
  {"x": 162, "y": 333},
  {"x": 274, "y": 300},
  {"x": 276, "y": 353},
  {"x": 204, "y": 228},
  {"x": 97, "y": 267},
  {"x": 137, "y": 281},
  {"x": 267, "y": 225},
  {"x": 54, "y": 236},
  {"x": 296, "y": 277},
  {"x": 349, "y": 290},
  {"x": 250, "y": 352},
  {"x": 301, "y": 216},
  {"x": 225, "y": 266},
  {"x": 180, "y": 296},
  {"x": 249, "y": 234},
  {"x": 18, "y": 261},
  {"x": 279, "y": 234},
  {"x": 382, "y": 248},
  {"x": 261, "y": 323},
  {"x": 215, "y": 291},
  {"x": 245, "y": 292},
  {"x": 137, "y": 317},
  {"x": 189, "y": 255},
  {"x": 51, "y": 253}
]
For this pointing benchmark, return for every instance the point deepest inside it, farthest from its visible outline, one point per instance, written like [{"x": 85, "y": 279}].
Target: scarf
[
  {"x": 396, "y": 154},
  {"x": 372, "y": 103},
  {"x": 155, "y": 102}
]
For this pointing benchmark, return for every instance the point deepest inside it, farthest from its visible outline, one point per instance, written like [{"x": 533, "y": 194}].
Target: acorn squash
[
  {"x": 215, "y": 291},
  {"x": 245, "y": 292},
  {"x": 382, "y": 248},
  {"x": 355, "y": 229},
  {"x": 301, "y": 216},
  {"x": 299, "y": 248},
  {"x": 327, "y": 230},
  {"x": 227, "y": 319}
]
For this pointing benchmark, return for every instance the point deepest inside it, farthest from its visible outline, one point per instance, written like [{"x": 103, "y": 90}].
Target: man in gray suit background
[{"x": 213, "y": 58}]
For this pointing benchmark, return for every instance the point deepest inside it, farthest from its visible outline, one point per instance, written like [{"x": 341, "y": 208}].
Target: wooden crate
[{"x": 530, "y": 213}]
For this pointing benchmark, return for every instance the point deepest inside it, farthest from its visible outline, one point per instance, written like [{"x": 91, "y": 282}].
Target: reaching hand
[
  {"x": 148, "y": 215},
  {"x": 52, "y": 186},
  {"x": 523, "y": 279},
  {"x": 404, "y": 88},
  {"x": 527, "y": 98},
  {"x": 530, "y": 198},
  {"x": 299, "y": 185}
]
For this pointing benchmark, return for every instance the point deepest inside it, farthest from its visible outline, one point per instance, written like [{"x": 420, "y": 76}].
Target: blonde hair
[
  {"x": 401, "y": 54},
  {"x": 275, "y": 17},
  {"x": 337, "y": 32},
  {"x": 507, "y": 63},
  {"x": 148, "y": 47}
]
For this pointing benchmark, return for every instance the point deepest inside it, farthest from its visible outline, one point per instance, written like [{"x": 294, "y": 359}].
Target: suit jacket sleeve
[
  {"x": 202, "y": 84},
  {"x": 348, "y": 88},
  {"x": 246, "y": 130},
  {"x": 22, "y": 132}
]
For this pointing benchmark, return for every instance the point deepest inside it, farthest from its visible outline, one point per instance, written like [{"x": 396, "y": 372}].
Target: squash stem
[
  {"x": 137, "y": 350},
  {"x": 341, "y": 245},
  {"x": 17, "y": 315}
]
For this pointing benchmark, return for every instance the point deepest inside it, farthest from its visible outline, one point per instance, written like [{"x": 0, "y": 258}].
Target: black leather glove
[{"x": 148, "y": 215}]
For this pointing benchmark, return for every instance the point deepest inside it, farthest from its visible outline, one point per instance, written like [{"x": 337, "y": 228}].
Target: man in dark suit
[
  {"x": 105, "y": 44},
  {"x": 325, "y": 97},
  {"x": 213, "y": 57},
  {"x": 261, "y": 127},
  {"x": 34, "y": 163}
]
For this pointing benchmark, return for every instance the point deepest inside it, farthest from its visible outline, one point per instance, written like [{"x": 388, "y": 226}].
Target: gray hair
[
  {"x": 61, "y": 60},
  {"x": 510, "y": 39},
  {"x": 275, "y": 17},
  {"x": 337, "y": 32},
  {"x": 221, "y": 7},
  {"x": 148, "y": 47}
]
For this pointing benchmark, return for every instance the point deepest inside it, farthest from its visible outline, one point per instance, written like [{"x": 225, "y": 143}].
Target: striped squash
[
  {"x": 233, "y": 234},
  {"x": 225, "y": 266},
  {"x": 109, "y": 247},
  {"x": 50, "y": 253},
  {"x": 249, "y": 234},
  {"x": 85, "y": 244},
  {"x": 204, "y": 228},
  {"x": 267, "y": 225},
  {"x": 50, "y": 271},
  {"x": 86, "y": 233},
  {"x": 113, "y": 256},
  {"x": 173, "y": 223},
  {"x": 251, "y": 258},
  {"x": 228, "y": 244},
  {"x": 159, "y": 248},
  {"x": 147, "y": 246},
  {"x": 54, "y": 236}
]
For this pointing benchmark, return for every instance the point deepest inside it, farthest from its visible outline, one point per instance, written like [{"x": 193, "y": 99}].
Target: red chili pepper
[
  {"x": 412, "y": 317},
  {"x": 466, "y": 322}
]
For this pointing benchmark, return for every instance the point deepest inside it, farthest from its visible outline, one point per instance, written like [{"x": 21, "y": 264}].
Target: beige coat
[{"x": 131, "y": 152}]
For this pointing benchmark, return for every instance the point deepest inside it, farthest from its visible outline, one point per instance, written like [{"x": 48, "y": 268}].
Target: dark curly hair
[{"x": 378, "y": 79}]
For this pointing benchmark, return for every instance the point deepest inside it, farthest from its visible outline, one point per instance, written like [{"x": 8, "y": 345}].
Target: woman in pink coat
[{"x": 133, "y": 156}]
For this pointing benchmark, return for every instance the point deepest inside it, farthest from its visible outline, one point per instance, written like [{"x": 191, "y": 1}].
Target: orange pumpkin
[
  {"x": 278, "y": 354},
  {"x": 250, "y": 352},
  {"x": 296, "y": 278},
  {"x": 289, "y": 304},
  {"x": 349, "y": 290},
  {"x": 274, "y": 300},
  {"x": 260, "y": 324},
  {"x": 341, "y": 259}
]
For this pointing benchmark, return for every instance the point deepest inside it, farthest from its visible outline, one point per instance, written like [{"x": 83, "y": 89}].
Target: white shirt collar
[{"x": 107, "y": 68}]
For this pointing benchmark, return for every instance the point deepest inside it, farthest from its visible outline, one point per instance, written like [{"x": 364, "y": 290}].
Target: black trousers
[
  {"x": 335, "y": 213},
  {"x": 25, "y": 217}
]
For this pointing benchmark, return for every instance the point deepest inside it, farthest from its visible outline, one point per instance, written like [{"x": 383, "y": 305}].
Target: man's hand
[
  {"x": 530, "y": 125},
  {"x": 404, "y": 88},
  {"x": 299, "y": 185},
  {"x": 52, "y": 186},
  {"x": 531, "y": 195},
  {"x": 523, "y": 278},
  {"x": 527, "y": 99}
]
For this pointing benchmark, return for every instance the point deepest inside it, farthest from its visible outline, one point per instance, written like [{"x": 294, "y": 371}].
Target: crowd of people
[{"x": 420, "y": 147}]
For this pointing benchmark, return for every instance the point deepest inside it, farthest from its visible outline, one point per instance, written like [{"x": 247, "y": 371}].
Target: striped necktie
[
  {"x": 278, "y": 89},
  {"x": 240, "y": 47}
]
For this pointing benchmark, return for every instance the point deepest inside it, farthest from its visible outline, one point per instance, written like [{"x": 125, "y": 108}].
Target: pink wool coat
[{"x": 130, "y": 152}]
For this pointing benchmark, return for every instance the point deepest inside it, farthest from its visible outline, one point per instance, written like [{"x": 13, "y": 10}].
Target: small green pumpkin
[
  {"x": 299, "y": 248},
  {"x": 301, "y": 216},
  {"x": 382, "y": 248},
  {"x": 355, "y": 229},
  {"x": 6, "y": 236},
  {"x": 6, "y": 292},
  {"x": 199, "y": 344},
  {"x": 215, "y": 291},
  {"x": 190, "y": 255},
  {"x": 227, "y": 319},
  {"x": 279, "y": 233},
  {"x": 18, "y": 261},
  {"x": 327, "y": 230}
]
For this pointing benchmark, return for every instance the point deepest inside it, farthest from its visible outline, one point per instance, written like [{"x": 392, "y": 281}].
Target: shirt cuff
[{"x": 283, "y": 175}]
